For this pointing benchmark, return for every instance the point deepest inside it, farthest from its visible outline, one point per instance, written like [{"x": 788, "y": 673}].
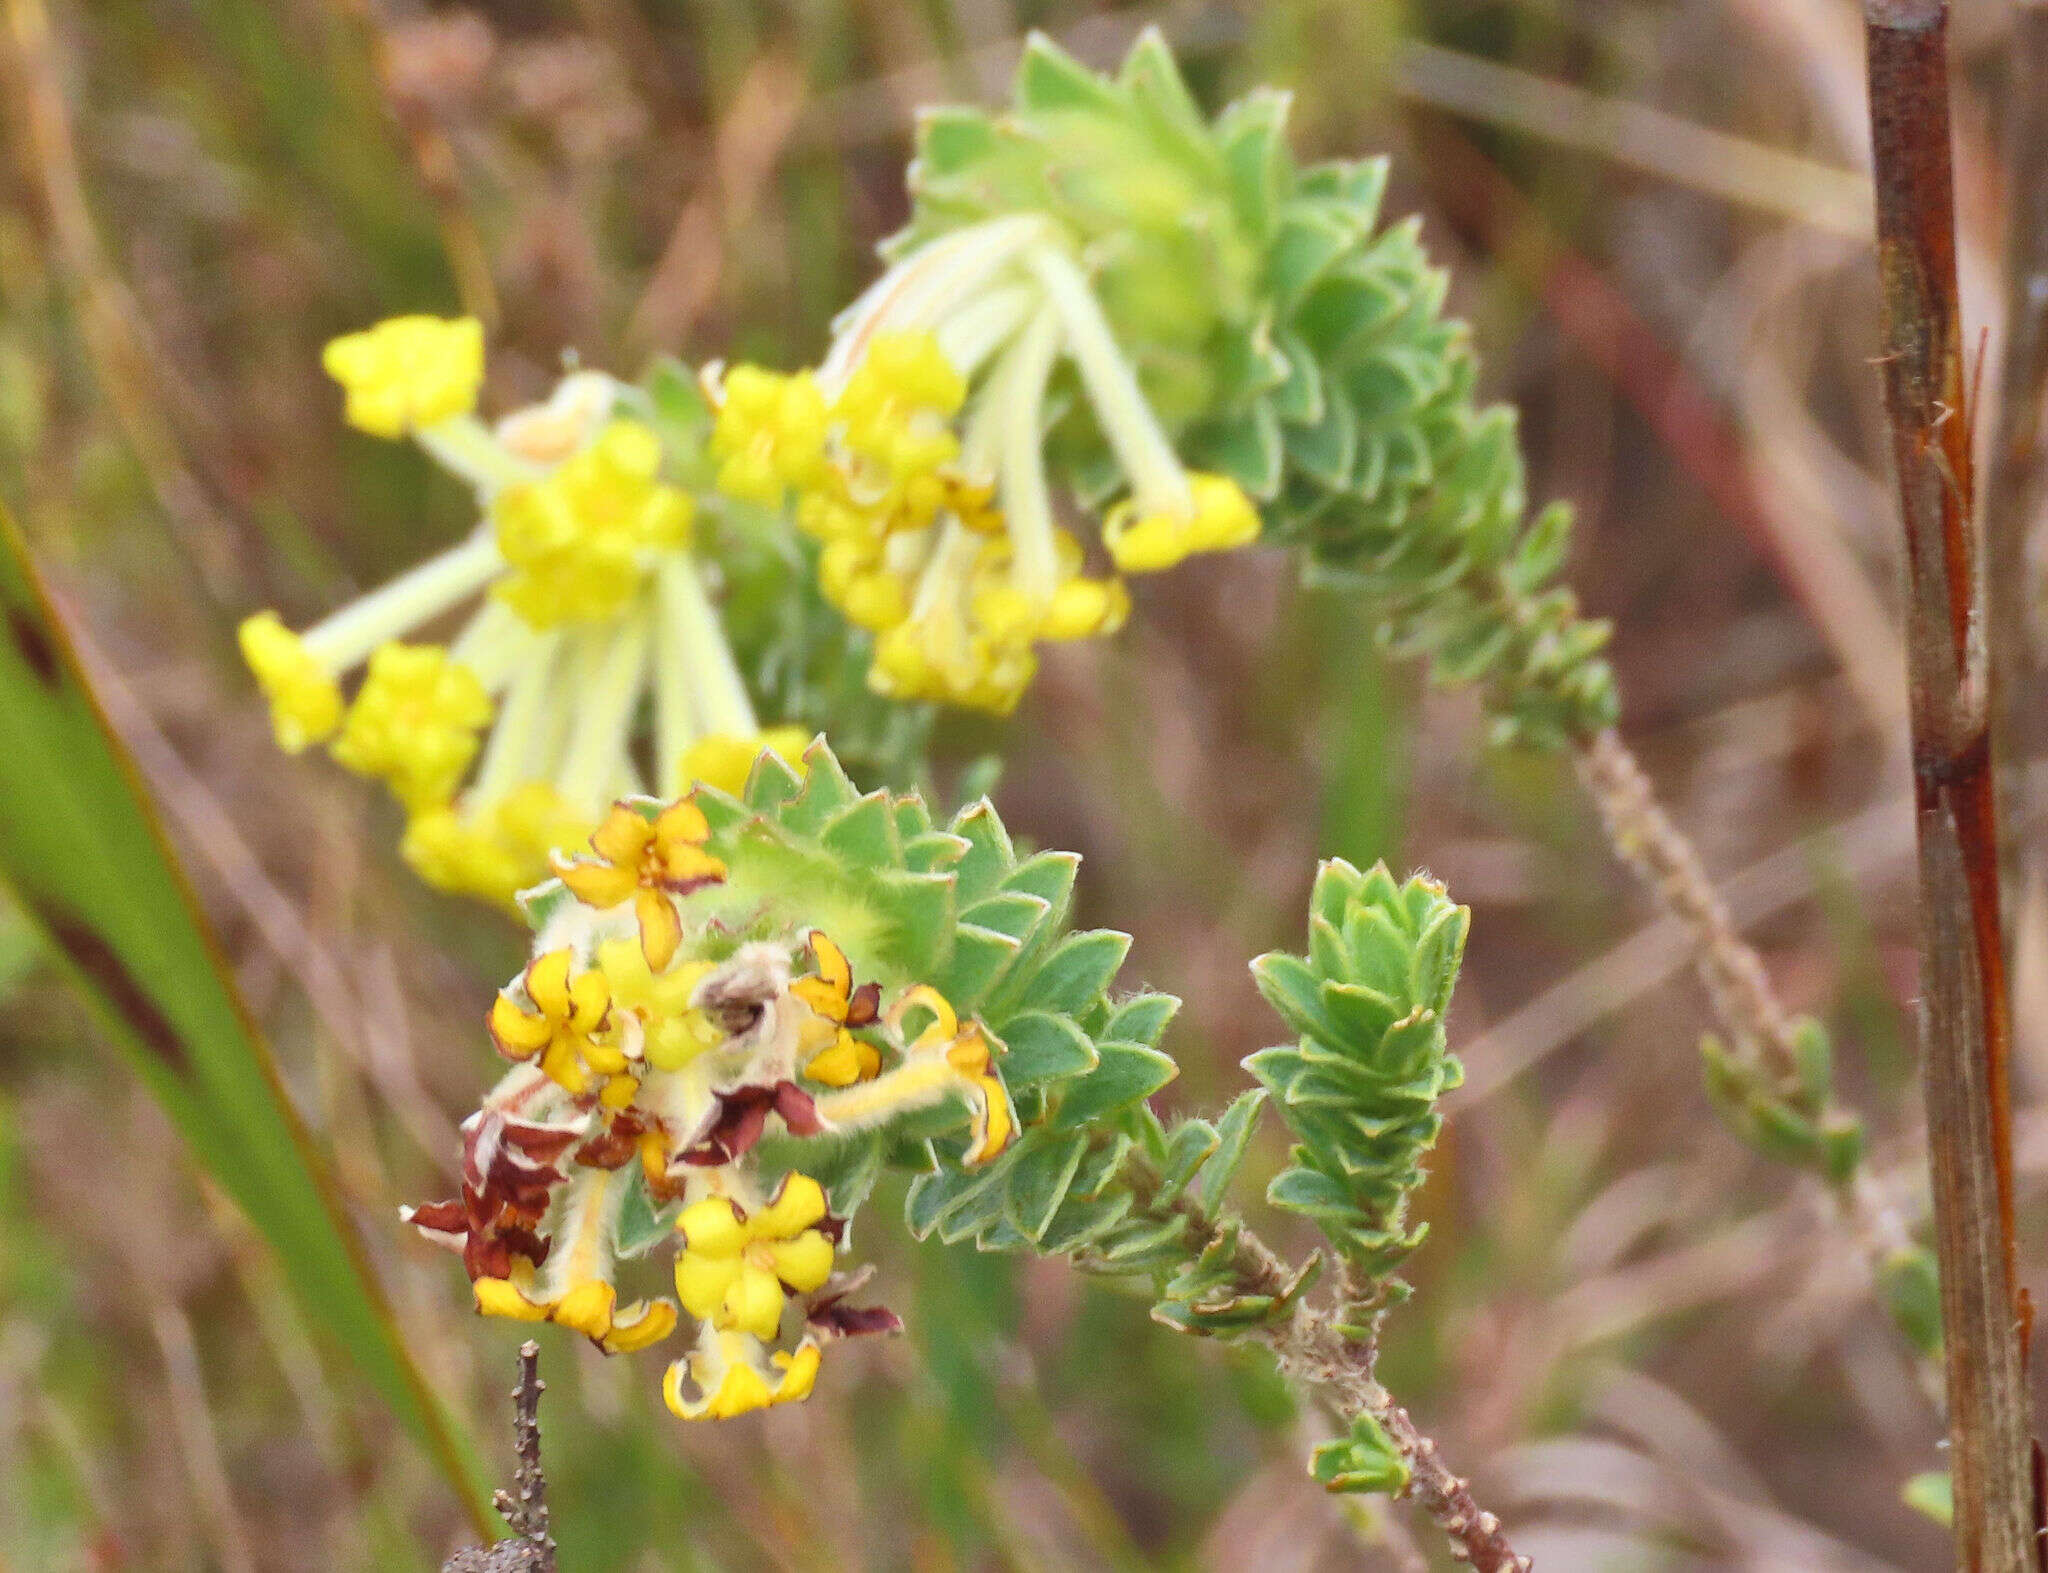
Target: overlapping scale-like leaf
[{"x": 1359, "y": 1087}]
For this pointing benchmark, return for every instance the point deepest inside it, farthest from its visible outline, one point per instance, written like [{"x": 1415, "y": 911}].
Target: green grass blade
[{"x": 84, "y": 857}]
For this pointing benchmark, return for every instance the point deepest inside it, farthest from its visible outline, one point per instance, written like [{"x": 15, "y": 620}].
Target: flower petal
[
  {"x": 798, "y": 1203},
  {"x": 623, "y": 837},
  {"x": 682, "y": 822},
  {"x": 518, "y": 1035},
  {"x": 799, "y": 1373},
  {"x": 713, "y": 1227},
  {"x": 702, "y": 1282},
  {"x": 661, "y": 927},
  {"x": 598, "y": 884},
  {"x": 547, "y": 983},
  {"x": 639, "y": 1325},
  {"x": 803, "y": 1264},
  {"x": 753, "y": 1303}
]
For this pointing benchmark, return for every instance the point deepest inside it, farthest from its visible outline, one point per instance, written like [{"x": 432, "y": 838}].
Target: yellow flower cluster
[
  {"x": 577, "y": 540},
  {"x": 652, "y": 1055},
  {"x": 408, "y": 372},
  {"x": 509, "y": 741},
  {"x": 415, "y": 723},
  {"x": 914, "y": 547}
]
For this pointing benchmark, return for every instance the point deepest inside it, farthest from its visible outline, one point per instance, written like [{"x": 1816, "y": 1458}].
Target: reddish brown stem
[{"x": 1964, "y": 1028}]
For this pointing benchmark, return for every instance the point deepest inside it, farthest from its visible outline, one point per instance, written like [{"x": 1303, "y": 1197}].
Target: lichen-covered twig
[{"x": 524, "y": 1508}]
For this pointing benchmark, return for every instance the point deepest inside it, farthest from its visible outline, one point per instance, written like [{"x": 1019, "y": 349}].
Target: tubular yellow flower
[
  {"x": 408, "y": 372},
  {"x": 939, "y": 388},
  {"x": 1220, "y": 519},
  {"x": 586, "y": 600},
  {"x": 769, "y": 434},
  {"x": 305, "y": 700},
  {"x": 568, "y": 1013},
  {"x": 895, "y": 408},
  {"x": 649, "y": 862},
  {"x": 724, "y": 760},
  {"x": 496, "y": 852},
  {"x": 578, "y": 540},
  {"x": 415, "y": 723},
  {"x": 736, "y": 1269},
  {"x": 945, "y": 1059}
]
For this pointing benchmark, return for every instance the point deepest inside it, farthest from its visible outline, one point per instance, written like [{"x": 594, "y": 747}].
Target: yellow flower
[
  {"x": 837, "y": 1057},
  {"x": 731, "y": 1379},
  {"x": 305, "y": 700},
  {"x": 895, "y": 407},
  {"x": 414, "y": 723},
  {"x": 968, "y": 1054},
  {"x": 724, "y": 759},
  {"x": 568, "y": 1013},
  {"x": 946, "y": 1059},
  {"x": 495, "y": 852},
  {"x": 769, "y": 434},
  {"x": 408, "y": 372},
  {"x": 673, "y": 1032},
  {"x": 944, "y": 658},
  {"x": 737, "y": 1269},
  {"x": 574, "y": 1289},
  {"x": 578, "y": 539},
  {"x": 1220, "y": 519},
  {"x": 647, "y": 861}
]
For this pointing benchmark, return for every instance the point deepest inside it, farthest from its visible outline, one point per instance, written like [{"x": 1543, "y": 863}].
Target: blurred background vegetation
[{"x": 1653, "y": 1349}]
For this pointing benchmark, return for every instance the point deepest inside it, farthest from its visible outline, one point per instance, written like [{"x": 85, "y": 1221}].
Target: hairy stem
[
  {"x": 1315, "y": 1351},
  {"x": 1964, "y": 1029},
  {"x": 1644, "y": 838}
]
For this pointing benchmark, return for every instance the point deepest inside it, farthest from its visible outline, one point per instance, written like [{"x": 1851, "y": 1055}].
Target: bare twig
[
  {"x": 1964, "y": 1027},
  {"x": 525, "y": 1508},
  {"x": 2013, "y": 492}
]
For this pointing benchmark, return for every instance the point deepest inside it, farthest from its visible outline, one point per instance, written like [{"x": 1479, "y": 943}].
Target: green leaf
[
  {"x": 641, "y": 1225},
  {"x": 1364, "y": 1459},
  {"x": 1038, "y": 1184},
  {"x": 1127, "y": 1073},
  {"x": 94, "y": 877},
  {"x": 1233, "y": 1135},
  {"x": 1044, "y": 1047},
  {"x": 1143, "y": 1018},
  {"x": 1079, "y": 970},
  {"x": 1048, "y": 78}
]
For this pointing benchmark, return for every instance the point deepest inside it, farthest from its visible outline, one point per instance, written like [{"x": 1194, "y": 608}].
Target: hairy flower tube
[
  {"x": 586, "y": 598},
  {"x": 690, "y": 1062}
]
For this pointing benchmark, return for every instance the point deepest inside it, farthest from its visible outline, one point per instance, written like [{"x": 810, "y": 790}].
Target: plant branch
[
  {"x": 1964, "y": 1027},
  {"x": 524, "y": 1508},
  {"x": 1314, "y": 1350}
]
